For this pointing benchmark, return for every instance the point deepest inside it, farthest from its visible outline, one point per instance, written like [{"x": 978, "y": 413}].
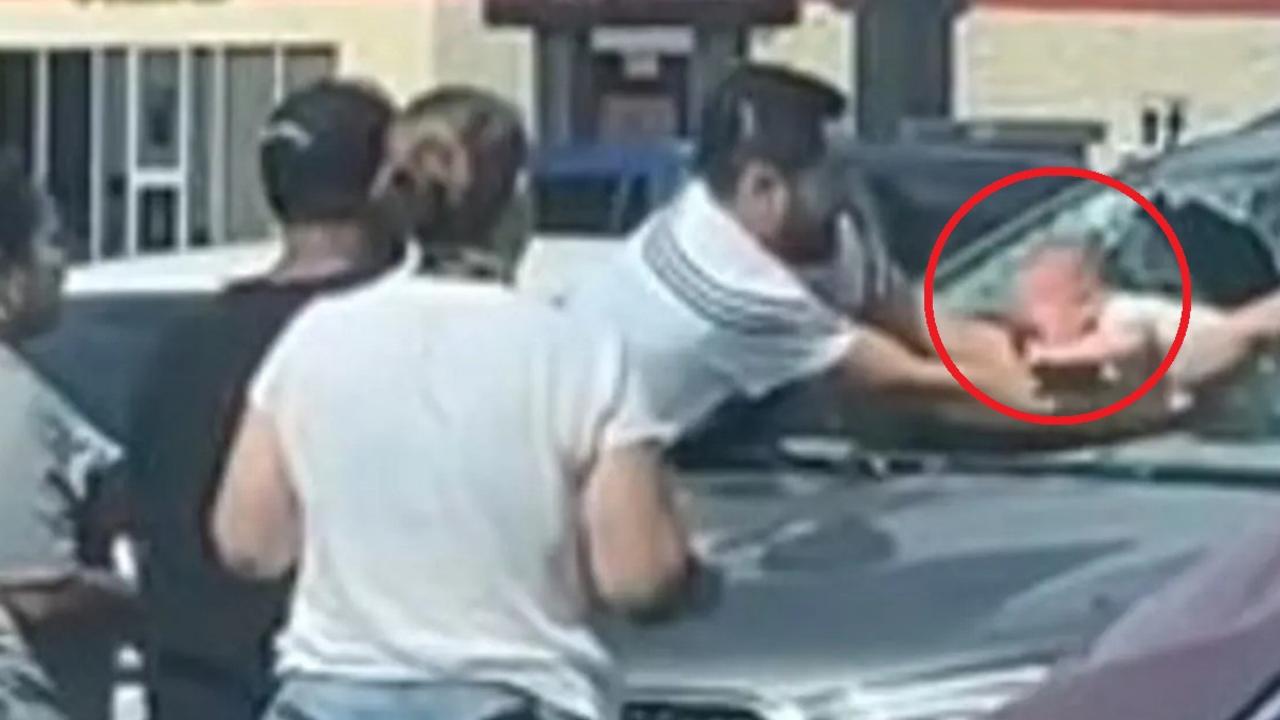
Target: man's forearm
[
  {"x": 85, "y": 596},
  {"x": 879, "y": 365},
  {"x": 1215, "y": 354}
]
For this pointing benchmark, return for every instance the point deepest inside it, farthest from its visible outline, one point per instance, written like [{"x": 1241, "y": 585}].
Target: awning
[{"x": 560, "y": 13}]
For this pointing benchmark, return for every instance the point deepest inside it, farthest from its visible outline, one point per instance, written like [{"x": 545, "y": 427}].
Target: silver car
[{"x": 907, "y": 574}]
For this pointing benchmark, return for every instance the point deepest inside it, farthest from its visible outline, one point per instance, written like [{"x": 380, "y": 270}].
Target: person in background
[
  {"x": 465, "y": 480},
  {"x": 208, "y": 633},
  {"x": 51, "y": 458},
  {"x": 745, "y": 283}
]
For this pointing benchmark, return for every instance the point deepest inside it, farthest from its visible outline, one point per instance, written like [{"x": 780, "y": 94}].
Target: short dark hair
[
  {"x": 321, "y": 151},
  {"x": 21, "y": 212},
  {"x": 767, "y": 113}
]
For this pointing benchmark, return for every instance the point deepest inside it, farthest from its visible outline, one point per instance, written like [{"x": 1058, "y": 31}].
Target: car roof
[
  {"x": 1255, "y": 147},
  {"x": 204, "y": 271},
  {"x": 197, "y": 272},
  {"x": 610, "y": 160}
]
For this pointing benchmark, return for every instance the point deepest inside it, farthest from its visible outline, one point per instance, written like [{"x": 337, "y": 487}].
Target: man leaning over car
[{"x": 745, "y": 284}]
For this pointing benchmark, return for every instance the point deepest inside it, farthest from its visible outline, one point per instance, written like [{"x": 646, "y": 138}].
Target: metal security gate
[{"x": 150, "y": 148}]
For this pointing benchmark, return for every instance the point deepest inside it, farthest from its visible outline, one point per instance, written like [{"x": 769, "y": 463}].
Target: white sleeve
[
  {"x": 267, "y": 390},
  {"x": 610, "y": 406},
  {"x": 763, "y": 359}
]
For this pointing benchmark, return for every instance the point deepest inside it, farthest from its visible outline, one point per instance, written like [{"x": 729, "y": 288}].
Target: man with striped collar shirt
[{"x": 744, "y": 284}]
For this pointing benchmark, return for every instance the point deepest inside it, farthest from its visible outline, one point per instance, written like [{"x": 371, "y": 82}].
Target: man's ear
[
  {"x": 763, "y": 189},
  {"x": 758, "y": 179}
]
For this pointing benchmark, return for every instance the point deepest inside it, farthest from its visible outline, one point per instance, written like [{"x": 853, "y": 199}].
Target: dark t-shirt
[{"x": 203, "y": 625}]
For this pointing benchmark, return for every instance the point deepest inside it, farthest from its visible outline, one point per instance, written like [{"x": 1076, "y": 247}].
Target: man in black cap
[
  {"x": 208, "y": 637},
  {"x": 750, "y": 280}
]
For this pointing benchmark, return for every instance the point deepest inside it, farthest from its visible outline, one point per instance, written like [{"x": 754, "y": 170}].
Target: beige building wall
[
  {"x": 1106, "y": 66},
  {"x": 408, "y": 45},
  {"x": 822, "y": 43},
  {"x": 464, "y": 49},
  {"x": 391, "y": 40}
]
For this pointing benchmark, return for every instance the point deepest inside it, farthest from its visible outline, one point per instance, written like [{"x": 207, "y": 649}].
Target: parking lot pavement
[{"x": 130, "y": 703}]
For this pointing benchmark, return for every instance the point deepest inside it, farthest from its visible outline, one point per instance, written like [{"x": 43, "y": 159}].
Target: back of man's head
[
  {"x": 321, "y": 151},
  {"x": 767, "y": 114},
  {"x": 457, "y": 154}
]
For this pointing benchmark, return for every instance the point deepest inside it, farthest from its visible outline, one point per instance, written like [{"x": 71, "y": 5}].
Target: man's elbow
[
  {"x": 250, "y": 565},
  {"x": 250, "y": 557},
  {"x": 650, "y": 594}
]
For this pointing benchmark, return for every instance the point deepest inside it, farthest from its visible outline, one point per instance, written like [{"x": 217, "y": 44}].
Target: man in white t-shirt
[
  {"x": 746, "y": 283},
  {"x": 466, "y": 480}
]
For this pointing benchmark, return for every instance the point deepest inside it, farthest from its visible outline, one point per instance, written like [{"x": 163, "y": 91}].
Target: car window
[
  {"x": 1228, "y": 259},
  {"x": 981, "y": 284},
  {"x": 591, "y": 205},
  {"x": 580, "y": 205}
]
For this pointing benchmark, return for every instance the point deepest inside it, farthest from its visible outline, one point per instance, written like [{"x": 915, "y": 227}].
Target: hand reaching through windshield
[
  {"x": 1084, "y": 333},
  {"x": 1011, "y": 381}
]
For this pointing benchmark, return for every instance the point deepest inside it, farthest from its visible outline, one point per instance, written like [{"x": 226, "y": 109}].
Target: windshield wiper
[
  {"x": 838, "y": 455},
  {"x": 1096, "y": 465}
]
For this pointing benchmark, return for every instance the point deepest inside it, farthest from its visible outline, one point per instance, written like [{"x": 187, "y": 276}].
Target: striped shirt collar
[
  {"x": 722, "y": 248},
  {"x": 707, "y": 260}
]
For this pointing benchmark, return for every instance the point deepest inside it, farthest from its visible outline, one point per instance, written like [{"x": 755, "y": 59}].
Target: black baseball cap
[
  {"x": 322, "y": 148},
  {"x": 773, "y": 112}
]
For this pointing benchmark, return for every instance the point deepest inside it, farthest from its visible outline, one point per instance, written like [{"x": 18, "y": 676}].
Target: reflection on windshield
[{"x": 1104, "y": 215}]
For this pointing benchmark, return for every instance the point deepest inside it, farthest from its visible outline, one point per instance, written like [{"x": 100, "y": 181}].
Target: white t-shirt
[
  {"x": 709, "y": 313},
  {"x": 436, "y": 434}
]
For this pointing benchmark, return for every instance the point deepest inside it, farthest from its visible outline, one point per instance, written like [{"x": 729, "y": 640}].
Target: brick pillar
[
  {"x": 904, "y": 63},
  {"x": 562, "y": 82}
]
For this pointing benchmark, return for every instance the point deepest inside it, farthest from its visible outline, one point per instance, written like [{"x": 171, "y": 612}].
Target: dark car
[
  {"x": 587, "y": 198},
  {"x": 603, "y": 191},
  {"x": 904, "y": 583},
  {"x": 916, "y": 188}
]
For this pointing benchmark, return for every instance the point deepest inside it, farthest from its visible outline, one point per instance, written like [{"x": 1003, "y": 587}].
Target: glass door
[{"x": 158, "y": 135}]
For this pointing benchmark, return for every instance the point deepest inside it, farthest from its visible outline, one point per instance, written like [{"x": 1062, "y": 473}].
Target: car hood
[{"x": 833, "y": 582}]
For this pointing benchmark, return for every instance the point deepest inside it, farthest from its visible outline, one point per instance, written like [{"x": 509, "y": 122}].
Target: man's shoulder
[
  {"x": 410, "y": 294},
  {"x": 22, "y": 389},
  {"x": 397, "y": 302},
  {"x": 211, "y": 334}
]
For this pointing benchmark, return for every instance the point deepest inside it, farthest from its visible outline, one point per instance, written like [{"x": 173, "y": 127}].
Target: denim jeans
[{"x": 318, "y": 698}]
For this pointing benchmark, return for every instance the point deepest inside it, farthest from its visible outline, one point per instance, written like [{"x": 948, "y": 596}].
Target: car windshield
[
  {"x": 1223, "y": 214},
  {"x": 1223, "y": 210}
]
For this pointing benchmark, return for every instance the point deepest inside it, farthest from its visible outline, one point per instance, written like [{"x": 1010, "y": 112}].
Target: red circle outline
[{"x": 1035, "y": 418}]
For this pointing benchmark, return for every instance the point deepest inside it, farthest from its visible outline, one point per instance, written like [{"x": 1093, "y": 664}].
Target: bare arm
[
  {"x": 984, "y": 349},
  {"x": 1218, "y": 350},
  {"x": 637, "y": 546},
  {"x": 968, "y": 339},
  {"x": 901, "y": 315},
  {"x": 256, "y": 520},
  {"x": 1260, "y": 319},
  {"x": 878, "y": 363}
]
